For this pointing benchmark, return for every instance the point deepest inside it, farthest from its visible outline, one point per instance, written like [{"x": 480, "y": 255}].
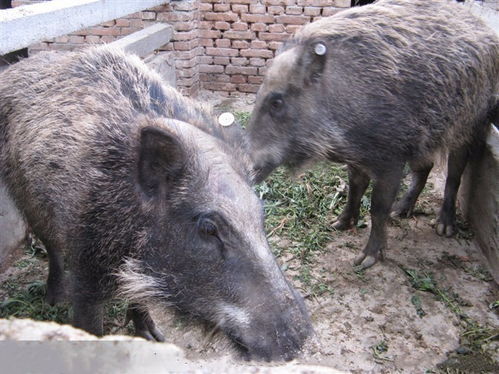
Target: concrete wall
[
  {"x": 12, "y": 227},
  {"x": 479, "y": 200}
]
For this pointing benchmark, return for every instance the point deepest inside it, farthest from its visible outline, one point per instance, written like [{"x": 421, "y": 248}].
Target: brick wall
[
  {"x": 240, "y": 37},
  {"x": 218, "y": 45}
]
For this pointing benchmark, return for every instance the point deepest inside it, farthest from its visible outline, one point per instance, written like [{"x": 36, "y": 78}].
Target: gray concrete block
[
  {"x": 12, "y": 226},
  {"x": 25, "y": 25},
  {"x": 164, "y": 64},
  {"x": 479, "y": 200},
  {"x": 146, "y": 41}
]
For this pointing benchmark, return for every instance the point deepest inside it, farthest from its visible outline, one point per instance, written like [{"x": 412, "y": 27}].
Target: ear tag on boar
[
  {"x": 320, "y": 49},
  {"x": 226, "y": 119}
]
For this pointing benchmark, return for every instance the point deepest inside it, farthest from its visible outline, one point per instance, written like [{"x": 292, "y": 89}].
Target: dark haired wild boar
[
  {"x": 148, "y": 194},
  {"x": 377, "y": 87}
]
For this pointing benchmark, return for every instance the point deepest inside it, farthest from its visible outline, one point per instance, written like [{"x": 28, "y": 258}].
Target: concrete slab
[{"x": 25, "y": 25}]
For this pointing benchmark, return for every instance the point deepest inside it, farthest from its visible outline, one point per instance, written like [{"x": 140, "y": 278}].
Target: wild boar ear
[
  {"x": 314, "y": 62},
  {"x": 161, "y": 160}
]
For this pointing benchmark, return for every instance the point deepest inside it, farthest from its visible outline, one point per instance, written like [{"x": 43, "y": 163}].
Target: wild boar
[
  {"x": 377, "y": 87},
  {"x": 149, "y": 196}
]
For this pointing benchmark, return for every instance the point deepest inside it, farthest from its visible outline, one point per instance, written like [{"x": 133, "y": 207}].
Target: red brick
[
  {"x": 276, "y": 10},
  {"x": 342, "y": 3},
  {"x": 76, "y": 39},
  {"x": 279, "y": 2},
  {"x": 311, "y": 11},
  {"x": 256, "y": 61},
  {"x": 232, "y": 17},
  {"x": 258, "y": 27},
  {"x": 291, "y": 29},
  {"x": 276, "y": 28},
  {"x": 274, "y": 45},
  {"x": 181, "y": 64},
  {"x": 205, "y": 59},
  {"x": 222, "y": 43},
  {"x": 175, "y": 16},
  {"x": 64, "y": 38},
  {"x": 221, "y": 60},
  {"x": 261, "y": 18},
  {"x": 184, "y": 26},
  {"x": 206, "y": 42},
  {"x": 134, "y": 15},
  {"x": 258, "y": 44},
  {"x": 244, "y": 70},
  {"x": 293, "y": 20},
  {"x": 187, "y": 73},
  {"x": 108, "y": 24},
  {"x": 92, "y": 39},
  {"x": 185, "y": 5},
  {"x": 246, "y": 87},
  {"x": 189, "y": 35},
  {"x": 221, "y": 7},
  {"x": 238, "y": 79},
  {"x": 239, "y": 61},
  {"x": 242, "y": 1},
  {"x": 122, "y": 22},
  {"x": 239, "y": 35},
  {"x": 257, "y": 9},
  {"x": 211, "y": 69},
  {"x": 240, "y": 8},
  {"x": 108, "y": 38},
  {"x": 149, "y": 15},
  {"x": 136, "y": 22},
  {"x": 255, "y": 79},
  {"x": 264, "y": 53},
  {"x": 273, "y": 36},
  {"x": 240, "y": 44},
  {"x": 218, "y": 86},
  {"x": 186, "y": 45},
  {"x": 262, "y": 71},
  {"x": 210, "y": 34},
  {"x": 204, "y": 7},
  {"x": 294, "y": 10},
  {"x": 205, "y": 25},
  {"x": 220, "y": 25},
  {"x": 326, "y": 12},
  {"x": 239, "y": 26},
  {"x": 110, "y": 31},
  {"x": 222, "y": 52}
]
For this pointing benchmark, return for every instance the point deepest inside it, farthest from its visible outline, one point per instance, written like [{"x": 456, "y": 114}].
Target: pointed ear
[
  {"x": 161, "y": 160},
  {"x": 314, "y": 62}
]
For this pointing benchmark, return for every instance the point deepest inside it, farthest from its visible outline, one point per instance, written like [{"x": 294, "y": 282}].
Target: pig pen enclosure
[{"x": 431, "y": 306}]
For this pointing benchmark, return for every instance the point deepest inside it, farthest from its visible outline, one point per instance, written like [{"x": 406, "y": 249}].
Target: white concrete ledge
[
  {"x": 144, "y": 42},
  {"x": 25, "y": 25}
]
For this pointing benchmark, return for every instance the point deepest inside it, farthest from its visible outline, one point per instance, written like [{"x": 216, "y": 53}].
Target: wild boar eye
[
  {"x": 207, "y": 227},
  {"x": 277, "y": 104}
]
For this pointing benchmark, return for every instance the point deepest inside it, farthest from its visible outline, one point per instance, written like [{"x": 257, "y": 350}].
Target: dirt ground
[{"x": 409, "y": 313}]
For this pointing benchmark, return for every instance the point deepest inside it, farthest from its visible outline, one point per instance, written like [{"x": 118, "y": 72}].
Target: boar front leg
[
  {"x": 55, "y": 281},
  {"x": 357, "y": 184},
  {"x": 144, "y": 324},
  {"x": 384, "y": 192}
]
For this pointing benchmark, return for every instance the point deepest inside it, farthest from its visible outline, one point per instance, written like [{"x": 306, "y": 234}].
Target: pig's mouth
[{"x": 261, "y": 351}]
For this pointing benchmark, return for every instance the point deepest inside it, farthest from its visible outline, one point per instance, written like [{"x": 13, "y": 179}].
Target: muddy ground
[{"x": 431, "y": 299}]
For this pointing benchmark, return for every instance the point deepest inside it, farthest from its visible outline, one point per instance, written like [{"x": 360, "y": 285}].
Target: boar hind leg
[
  {"x": 144, "y": 325},
  {"x": 55, "y": 281},
  {"x": 357, "y": 184},
  {"x": 420, "y": 171},
  {"x": 384, "y": 193},
  {"x": 446, "y": 223}
]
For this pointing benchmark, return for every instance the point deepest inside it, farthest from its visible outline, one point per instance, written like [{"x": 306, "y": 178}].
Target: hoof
[
  {"x": 364, "y": 261},
  {"x": 445, "y": 230},
  {"x": 342, "y": 225}
]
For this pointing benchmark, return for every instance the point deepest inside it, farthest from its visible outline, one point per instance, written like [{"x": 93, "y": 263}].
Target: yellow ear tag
[{"x": 226, "y": 119}]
